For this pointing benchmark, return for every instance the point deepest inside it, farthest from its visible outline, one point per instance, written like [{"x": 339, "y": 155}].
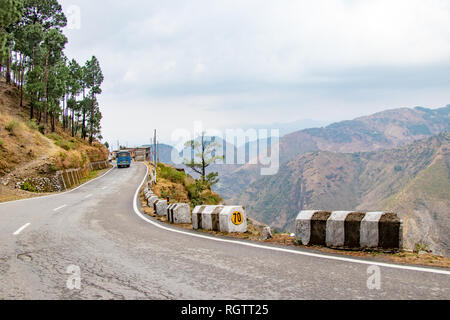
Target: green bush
[
  {"x": 200, "y": 194},
  {"x": 212, "y": 199},
  {"x": 28, "y": 187},
  {"x": 60, "y": 141},
  {"x": 195, "y": 193},
  {"x": 421, "y": 247},
  {"x": 41, "y": 128},
  {"x": 1, "y": 142},
  {"x": 32, "y": 124},
  {"x": 11, "y": 126},
  {"x": 66, "y": 145}
]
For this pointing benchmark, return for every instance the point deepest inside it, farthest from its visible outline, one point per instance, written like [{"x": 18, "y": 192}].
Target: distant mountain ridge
[
  {"x": 380, "y": 131},
  {"x": 383, "y": 130}
]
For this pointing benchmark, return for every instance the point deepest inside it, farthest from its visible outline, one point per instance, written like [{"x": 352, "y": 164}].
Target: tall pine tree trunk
[
  {"x": 91, "y": 134},
  {"x": 8, "y": 68},
  {"x": 31, "y": 109},
  {"x": 53, "y": 121},
  {"x": 22, "y": 75},
  {"x": 64, "y": 113},
  {"x": 45, "y": 93},
  {"x": 73, "y": 120},
  {"x": 83, "y": 125}
]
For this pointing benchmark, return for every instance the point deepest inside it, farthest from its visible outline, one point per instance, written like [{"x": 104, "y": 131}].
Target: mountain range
[{"x": 380, "y": 131}]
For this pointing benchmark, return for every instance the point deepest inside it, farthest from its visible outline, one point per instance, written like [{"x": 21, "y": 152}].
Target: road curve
[{"x": 122, "y": 256}]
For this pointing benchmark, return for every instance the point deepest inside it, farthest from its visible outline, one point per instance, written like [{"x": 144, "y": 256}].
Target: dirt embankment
[{"x": 30, "y": 160}]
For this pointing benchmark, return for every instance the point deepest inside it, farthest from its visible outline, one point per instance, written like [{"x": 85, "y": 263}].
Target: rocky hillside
[
  {"x": 384, "y": 130},
  {"x": 26, "y": 155},
  {"x": 413, "y": 180}
]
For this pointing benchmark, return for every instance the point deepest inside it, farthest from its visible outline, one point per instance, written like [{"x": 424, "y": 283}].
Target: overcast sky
[{"x": 239, "y": 63}]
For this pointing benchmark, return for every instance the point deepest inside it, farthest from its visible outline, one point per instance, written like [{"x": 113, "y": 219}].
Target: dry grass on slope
[{"x": 25, "y": 153}]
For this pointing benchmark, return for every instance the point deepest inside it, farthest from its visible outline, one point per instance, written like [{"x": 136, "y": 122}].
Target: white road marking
[
  {"x": 302, "y": 253},
  {"x": 59, "y": 208},
  {"x": 59, "y": 194},
  {"x": 88, "y": 196},
  {"x": 21, "y": 229}
]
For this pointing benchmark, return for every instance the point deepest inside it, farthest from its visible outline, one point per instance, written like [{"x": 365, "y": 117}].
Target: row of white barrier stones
[
  {"x": 349, "y": 229},
  {"x": 228, "y": 219},
  {"x": 159, "y": 205},
  {"x": 338, "y": 229}
]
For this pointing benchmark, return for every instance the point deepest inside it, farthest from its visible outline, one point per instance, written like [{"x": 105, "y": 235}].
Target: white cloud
[{"x": 235, "y": 57}]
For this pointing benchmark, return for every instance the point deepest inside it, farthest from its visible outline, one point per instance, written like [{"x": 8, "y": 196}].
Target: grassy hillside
[
  {"x": 26, "y": 153},
  {"x": 425, "y": 204},
  {"x": 413, "y": 181}
]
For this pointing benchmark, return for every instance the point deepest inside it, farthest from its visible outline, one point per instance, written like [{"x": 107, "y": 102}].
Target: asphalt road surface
[{"x": 119, "y": 254}]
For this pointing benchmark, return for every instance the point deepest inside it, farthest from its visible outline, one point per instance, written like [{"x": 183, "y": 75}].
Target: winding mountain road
[{"x": 122, "y": 254}]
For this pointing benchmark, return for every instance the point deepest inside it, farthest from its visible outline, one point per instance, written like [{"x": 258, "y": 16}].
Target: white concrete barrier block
[
  {"x": 303, "y": 226},
  {"x": 160, "y": 207},
  {"x": 336, "y": 228},
  {"x": 233, "y": 219},
  {"x": 179, "y": 213},
  {"x": 151, "y": 201},
  {"x": 210, "y": 218},
  {"x": 206, "y": 217},
  {"x": 197, "y": 217},
  {"x": 369, "y": 237}
]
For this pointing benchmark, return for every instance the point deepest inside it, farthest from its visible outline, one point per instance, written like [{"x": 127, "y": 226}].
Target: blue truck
[{"x": 123, "y": 159}]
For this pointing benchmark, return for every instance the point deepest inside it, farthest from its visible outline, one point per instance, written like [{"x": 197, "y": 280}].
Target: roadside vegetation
[
  {"x": 50, "y": 118},
  {"x": 50, "y": 86},
  {"x": 181, "y": 187}
]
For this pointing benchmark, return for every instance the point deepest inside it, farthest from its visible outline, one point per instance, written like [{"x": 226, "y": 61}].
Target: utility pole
[{"x": 155, "y": 156}]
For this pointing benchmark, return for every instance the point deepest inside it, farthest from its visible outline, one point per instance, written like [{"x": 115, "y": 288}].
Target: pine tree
[
  {"x": 204, "y": 156},
  {"x": 53, "y": 45},
  {"x": 10, "y": 13},
  {"x": 94, "y": 79},
  {"x": 32, "y": 49}
]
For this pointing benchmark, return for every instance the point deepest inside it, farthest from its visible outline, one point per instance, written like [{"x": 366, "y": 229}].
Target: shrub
[
  {"x": 66, "y": 145},
  {"x": 1, "y": 142},
  {"x": 60, "y": 141},
  {"x": 52, "y": 168},
  {"x": 200, "y": 194},
  {"x": 210, "y": 198},
  {"x": 41, "y": 128},
  {"x": 32, "y": 124},
  {"x": 11, "y": 126},
  {"x": 28, "y": 187},
  {"x": 421, "y": 247},
  {"x": 195, "y": 190}
]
